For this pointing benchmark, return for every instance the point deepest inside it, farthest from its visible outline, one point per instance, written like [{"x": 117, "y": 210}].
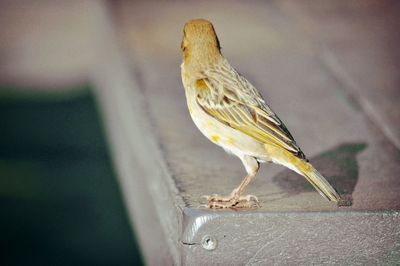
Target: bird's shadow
[{"x": 339, "y": 166}]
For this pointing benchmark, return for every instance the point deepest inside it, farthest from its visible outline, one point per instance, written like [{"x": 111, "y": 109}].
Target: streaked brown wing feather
[{"x": 232, "y": 100}]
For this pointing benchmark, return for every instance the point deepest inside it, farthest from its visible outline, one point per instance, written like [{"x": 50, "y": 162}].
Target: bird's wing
[{"x": 230, "y": 98}]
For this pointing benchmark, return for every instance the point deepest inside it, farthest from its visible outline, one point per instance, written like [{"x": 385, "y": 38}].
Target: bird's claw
[
  {"x": 217, "y": 198},
  {"x": 219, "y": 202}
]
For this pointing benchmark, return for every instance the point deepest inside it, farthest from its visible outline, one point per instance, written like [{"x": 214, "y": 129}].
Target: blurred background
[{"x": 60, "y": 198}]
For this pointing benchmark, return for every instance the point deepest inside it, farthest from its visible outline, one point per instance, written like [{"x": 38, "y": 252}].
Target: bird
[{"x": 231, "y": 112}]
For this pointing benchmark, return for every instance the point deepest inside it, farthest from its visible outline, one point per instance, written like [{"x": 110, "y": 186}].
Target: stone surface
[
  {"x": 358, "y": 42},
  {"x": 294, "y": 224}
]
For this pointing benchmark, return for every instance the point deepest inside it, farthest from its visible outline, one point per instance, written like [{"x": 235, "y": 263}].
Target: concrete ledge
[
  {"x": 166, "y": 165},
  {"x": 282, "y": 238}
]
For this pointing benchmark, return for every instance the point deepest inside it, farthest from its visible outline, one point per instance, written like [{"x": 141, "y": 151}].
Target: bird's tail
[{"x": 314, "y": 177}]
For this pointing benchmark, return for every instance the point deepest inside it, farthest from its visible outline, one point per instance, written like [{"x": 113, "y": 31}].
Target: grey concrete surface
[
  {"x": 122, "y": 105},
  {"x": 287, "y": 65},
  {"x": 359, "y": 43}
]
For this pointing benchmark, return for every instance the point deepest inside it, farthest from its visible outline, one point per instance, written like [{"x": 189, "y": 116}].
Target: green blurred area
[{"x": 59, "y": 198}]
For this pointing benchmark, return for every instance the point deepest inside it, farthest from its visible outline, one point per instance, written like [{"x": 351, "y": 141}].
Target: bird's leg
[{"x": 235, "y": 199}]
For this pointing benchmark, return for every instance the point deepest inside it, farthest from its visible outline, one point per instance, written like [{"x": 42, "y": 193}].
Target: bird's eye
[{"x": 183, "y": 47}]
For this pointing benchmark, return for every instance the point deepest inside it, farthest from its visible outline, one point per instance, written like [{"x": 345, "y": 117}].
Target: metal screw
[{"x": 209, "y": 242}]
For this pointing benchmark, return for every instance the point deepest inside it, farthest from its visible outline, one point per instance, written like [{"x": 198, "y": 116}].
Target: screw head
[{"x": 209, "y": 242}]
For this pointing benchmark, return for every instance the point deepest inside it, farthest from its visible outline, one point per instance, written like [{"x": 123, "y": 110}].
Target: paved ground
[{"x": 329, "y": 78}]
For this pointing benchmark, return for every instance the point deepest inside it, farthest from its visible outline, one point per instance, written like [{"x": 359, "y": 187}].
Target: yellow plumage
[{"x": 242, "y": 122}]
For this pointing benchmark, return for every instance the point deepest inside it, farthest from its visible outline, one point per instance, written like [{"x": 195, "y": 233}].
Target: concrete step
[{"x": 167, "y": 165}]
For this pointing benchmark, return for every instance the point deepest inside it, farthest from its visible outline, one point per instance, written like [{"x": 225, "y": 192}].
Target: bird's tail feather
[
  {"x": 317, "y": 180},
  {"x": 312, "y": 175}
]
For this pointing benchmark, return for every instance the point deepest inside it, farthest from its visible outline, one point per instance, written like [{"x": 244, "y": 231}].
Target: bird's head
[{"x": 200, "y": 42}]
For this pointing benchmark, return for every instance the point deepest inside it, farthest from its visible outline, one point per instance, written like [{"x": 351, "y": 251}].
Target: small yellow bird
[{"x": 230, "y": 112}]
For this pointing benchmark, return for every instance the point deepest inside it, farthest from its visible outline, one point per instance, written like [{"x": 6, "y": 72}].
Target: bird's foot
[{"x": 234, "y": 202}]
